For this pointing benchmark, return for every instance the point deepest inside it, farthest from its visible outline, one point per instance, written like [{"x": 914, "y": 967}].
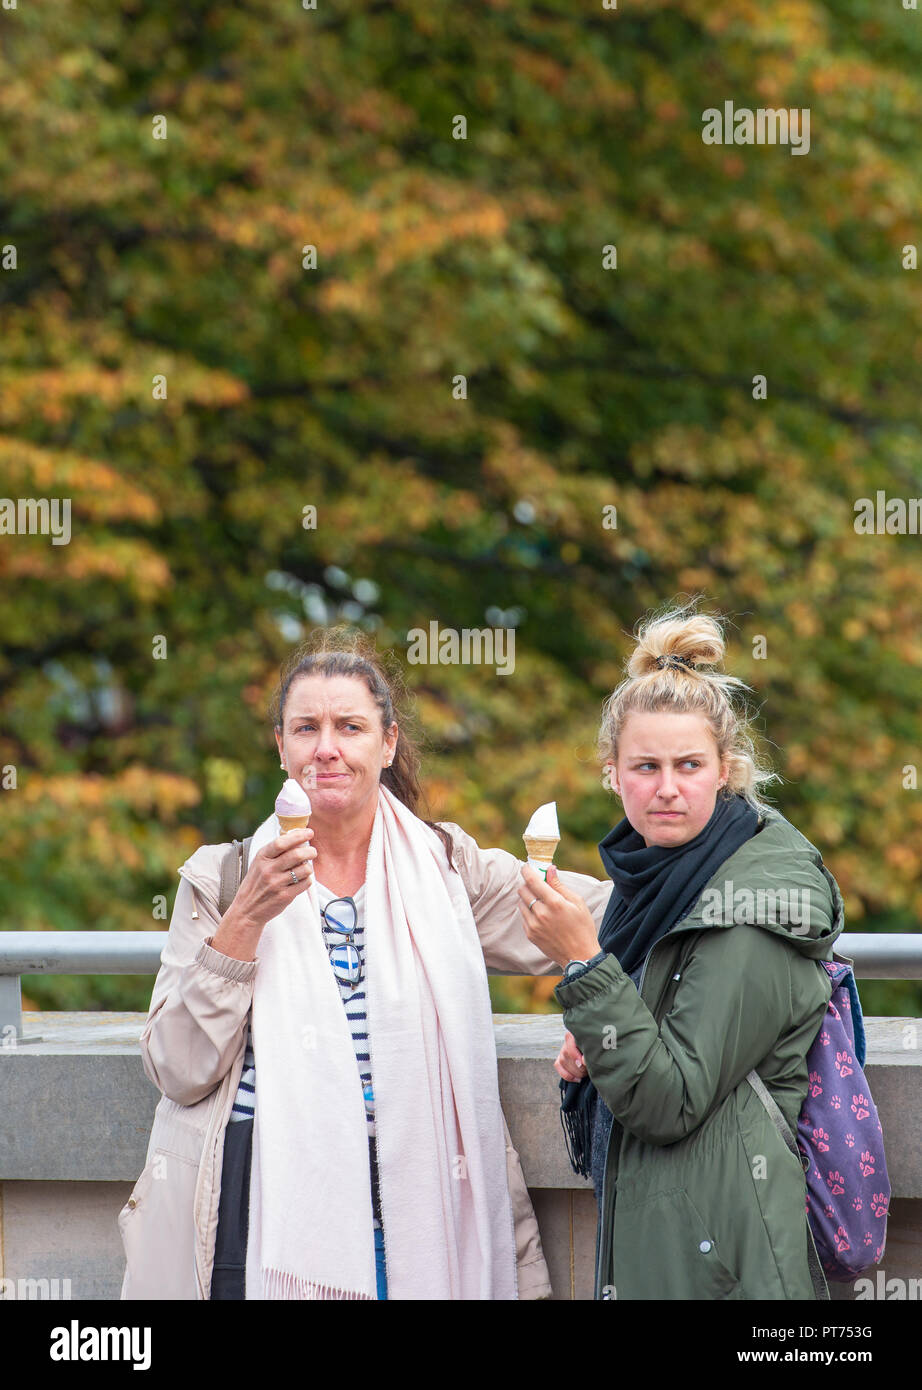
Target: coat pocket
[
  {"x": 157, "y": 1229},
  {"x": 665, "y": 1250},
  {"x": 139, "y": 1192}
]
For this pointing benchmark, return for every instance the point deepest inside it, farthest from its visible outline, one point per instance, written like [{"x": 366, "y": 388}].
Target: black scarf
[{"x": 655, "y": 887}]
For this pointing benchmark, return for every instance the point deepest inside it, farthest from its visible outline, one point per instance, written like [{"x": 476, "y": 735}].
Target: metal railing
[
  {"x": 69, "y": 953},
  {"x": 877, "y": 956}
]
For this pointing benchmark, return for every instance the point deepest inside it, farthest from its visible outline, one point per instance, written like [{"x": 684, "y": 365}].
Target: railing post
[{"x": 10, "y": 1008}]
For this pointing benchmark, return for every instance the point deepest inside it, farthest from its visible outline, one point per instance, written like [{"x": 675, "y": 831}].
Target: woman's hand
[
  {"x": 570, "y": 1063},
  {"x": 267, "y": 888},
  {"x": 556, "y": 920}
]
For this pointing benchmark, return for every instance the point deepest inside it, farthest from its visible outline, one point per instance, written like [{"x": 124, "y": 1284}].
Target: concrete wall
[{"x": 76, "y": 1112}]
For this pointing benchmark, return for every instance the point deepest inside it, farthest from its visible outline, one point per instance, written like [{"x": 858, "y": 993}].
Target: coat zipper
[
  {"x": 598, "y": 1274},
  {"x": 208, "y": 1144},
  {"x": 598, "y": 1277}
]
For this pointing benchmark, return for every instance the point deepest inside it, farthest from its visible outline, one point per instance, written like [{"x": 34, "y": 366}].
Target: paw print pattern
[{"x": 839, "y": 1125}]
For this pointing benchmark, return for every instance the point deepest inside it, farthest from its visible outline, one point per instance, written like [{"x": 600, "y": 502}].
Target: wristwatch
[{"x": 576, "y": 968}]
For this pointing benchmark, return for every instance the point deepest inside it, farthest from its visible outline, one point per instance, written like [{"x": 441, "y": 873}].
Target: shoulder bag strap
[{"x": 233, "y": 867}]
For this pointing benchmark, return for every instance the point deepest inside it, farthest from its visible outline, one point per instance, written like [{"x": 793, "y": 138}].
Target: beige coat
[{"x": 192, "y": 1049}]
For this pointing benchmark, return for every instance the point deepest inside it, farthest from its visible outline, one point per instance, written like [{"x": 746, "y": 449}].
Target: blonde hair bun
[{"x": 665, "y": 673}]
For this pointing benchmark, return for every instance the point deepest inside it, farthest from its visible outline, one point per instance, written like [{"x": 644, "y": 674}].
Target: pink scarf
[{"x": 445, "y": 1208}]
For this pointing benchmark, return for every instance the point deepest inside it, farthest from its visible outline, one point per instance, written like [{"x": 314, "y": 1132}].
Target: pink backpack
[{"x": 839, "y": 1141}]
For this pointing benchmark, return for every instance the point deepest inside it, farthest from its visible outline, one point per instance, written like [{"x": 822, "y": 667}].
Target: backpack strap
[
  {"x": 820, "y": 1287},
  {"x": 233, "y": 867},
  {"x": 849, "y": 983}
]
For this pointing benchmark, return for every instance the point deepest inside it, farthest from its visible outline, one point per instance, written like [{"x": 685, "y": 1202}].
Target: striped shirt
[{"x": 356, "y": 1013}]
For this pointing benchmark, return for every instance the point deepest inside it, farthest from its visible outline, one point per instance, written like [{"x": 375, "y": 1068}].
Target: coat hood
[{"x": 777, "y": 881}]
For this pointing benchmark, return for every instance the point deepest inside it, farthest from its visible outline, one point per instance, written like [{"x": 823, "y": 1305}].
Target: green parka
[{"x": 702, "y": 1199}]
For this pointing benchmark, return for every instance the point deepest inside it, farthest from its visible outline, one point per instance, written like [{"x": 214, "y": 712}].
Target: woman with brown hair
[{"x": 330, "y": 1124}]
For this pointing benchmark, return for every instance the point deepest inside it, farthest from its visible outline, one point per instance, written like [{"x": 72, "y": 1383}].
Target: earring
[{"x": 283, "y": 767}]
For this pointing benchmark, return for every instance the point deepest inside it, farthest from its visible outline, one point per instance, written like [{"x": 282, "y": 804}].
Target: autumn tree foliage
[{"x": 412, "y": 312}]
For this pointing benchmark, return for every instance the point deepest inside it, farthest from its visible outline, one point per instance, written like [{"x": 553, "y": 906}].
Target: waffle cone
[
  {"x": 292, "y": 822},
  {"x": 541, "y": 850}
]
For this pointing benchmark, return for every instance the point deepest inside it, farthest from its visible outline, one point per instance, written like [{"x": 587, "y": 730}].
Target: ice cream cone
[
  {"x": 293, "y": 806},
  {"x": 542, "y": 836},
  {"x": 541, "y": 850}
]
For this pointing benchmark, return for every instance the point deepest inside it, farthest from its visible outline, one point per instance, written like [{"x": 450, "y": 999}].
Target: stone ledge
[{"x": 77, "y": 1106}]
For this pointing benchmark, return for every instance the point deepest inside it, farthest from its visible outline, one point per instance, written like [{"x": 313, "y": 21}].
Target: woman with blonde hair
[{"x": 707, "y": 965}]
